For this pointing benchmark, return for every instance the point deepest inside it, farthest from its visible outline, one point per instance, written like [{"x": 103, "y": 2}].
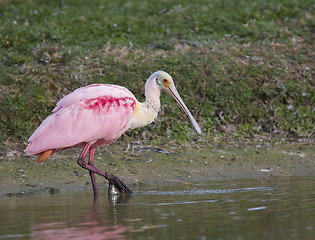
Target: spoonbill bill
[{"x": 99, "y": 114}]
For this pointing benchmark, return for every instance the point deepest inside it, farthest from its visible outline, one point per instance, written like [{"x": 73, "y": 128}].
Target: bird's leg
[
  {"x": 92, "y": 174},
  {"x": 113, "y": 180},
  {"x": 117, "y": 183}
]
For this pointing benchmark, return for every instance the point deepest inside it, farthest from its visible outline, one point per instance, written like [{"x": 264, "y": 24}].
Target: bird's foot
[
  {"x": 112, "y": 190},
  {"x": 116, "y": 185}
]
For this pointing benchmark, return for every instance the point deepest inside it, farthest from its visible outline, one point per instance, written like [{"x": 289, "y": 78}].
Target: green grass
[{"x": 251, "y": 60}]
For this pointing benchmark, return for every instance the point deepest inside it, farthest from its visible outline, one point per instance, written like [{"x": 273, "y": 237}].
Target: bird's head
[
  {"x": 166, "y": 84},
  {"x": 164, "y": 81}
]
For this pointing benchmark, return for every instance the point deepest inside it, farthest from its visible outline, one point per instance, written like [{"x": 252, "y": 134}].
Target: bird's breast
[{"x": 142, "y": 116}]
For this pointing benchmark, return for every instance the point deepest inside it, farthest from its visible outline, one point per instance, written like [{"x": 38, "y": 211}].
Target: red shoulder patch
[{"x": 108, "y": 102}]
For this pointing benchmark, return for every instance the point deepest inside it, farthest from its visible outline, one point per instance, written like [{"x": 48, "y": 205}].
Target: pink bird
[{"x": 99, "y": 114}]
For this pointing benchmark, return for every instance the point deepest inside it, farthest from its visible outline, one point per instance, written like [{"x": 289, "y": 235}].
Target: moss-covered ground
[
  {"x": 139, "y": 165},
  {"x": 244, "y": 68}
]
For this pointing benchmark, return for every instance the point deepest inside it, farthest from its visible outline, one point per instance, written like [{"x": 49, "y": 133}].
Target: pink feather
[{"x": 97, "y": 113}]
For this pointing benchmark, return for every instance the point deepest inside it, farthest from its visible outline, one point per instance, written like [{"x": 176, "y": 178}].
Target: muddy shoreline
[{"x": 137, "y": 164}]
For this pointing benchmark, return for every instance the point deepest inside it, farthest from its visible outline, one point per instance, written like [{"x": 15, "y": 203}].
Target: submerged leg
[{"x": 113, "y": 180}]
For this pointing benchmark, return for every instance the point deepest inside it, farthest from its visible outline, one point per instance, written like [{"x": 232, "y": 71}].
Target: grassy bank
[{"x": 244, "y": 68}]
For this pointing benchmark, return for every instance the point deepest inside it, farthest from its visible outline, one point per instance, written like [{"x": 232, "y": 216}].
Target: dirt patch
[{"x": 137, "y": 164}]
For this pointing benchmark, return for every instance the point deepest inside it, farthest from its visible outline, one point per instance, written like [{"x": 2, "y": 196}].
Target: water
[{"x": 278, "y": 208}]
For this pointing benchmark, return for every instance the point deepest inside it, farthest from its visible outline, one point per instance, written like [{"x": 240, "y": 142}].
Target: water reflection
[
  {"x": 89, "y": 227},
  {"x": 278, "y": 208},
  {"x": 85, "y": 230}
]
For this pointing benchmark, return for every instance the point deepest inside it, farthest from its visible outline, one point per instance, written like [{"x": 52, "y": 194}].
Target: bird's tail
[{"x": 44, "y": 155}]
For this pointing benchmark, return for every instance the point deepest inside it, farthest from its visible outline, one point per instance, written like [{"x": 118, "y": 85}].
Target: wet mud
[{"x": 137, "y": 164}]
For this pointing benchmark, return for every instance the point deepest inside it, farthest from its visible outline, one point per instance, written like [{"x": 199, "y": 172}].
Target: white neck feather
[{"x": 146, "y": 112}]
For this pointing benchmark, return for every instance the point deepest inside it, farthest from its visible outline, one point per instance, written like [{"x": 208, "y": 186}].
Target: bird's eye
[{"x": 165, "y": 80}]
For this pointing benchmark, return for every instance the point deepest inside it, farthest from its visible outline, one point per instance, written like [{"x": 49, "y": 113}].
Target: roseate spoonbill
[{"x": 99, "y": 114}]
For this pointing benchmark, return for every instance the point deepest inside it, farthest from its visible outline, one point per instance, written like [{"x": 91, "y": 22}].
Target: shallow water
[{"x": 277, "y": 208}]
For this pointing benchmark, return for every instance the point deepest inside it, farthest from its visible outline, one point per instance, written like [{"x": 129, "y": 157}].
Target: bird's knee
[{"x": 81, "y": 162}]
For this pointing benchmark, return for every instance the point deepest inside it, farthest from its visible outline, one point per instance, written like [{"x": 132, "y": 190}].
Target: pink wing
[{"x": 95, "y": 112}]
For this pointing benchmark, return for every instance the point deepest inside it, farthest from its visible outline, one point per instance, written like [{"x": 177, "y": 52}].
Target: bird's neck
[
  {"x": 147, "y": 111},
  {"x": 152, "y": 100}
]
